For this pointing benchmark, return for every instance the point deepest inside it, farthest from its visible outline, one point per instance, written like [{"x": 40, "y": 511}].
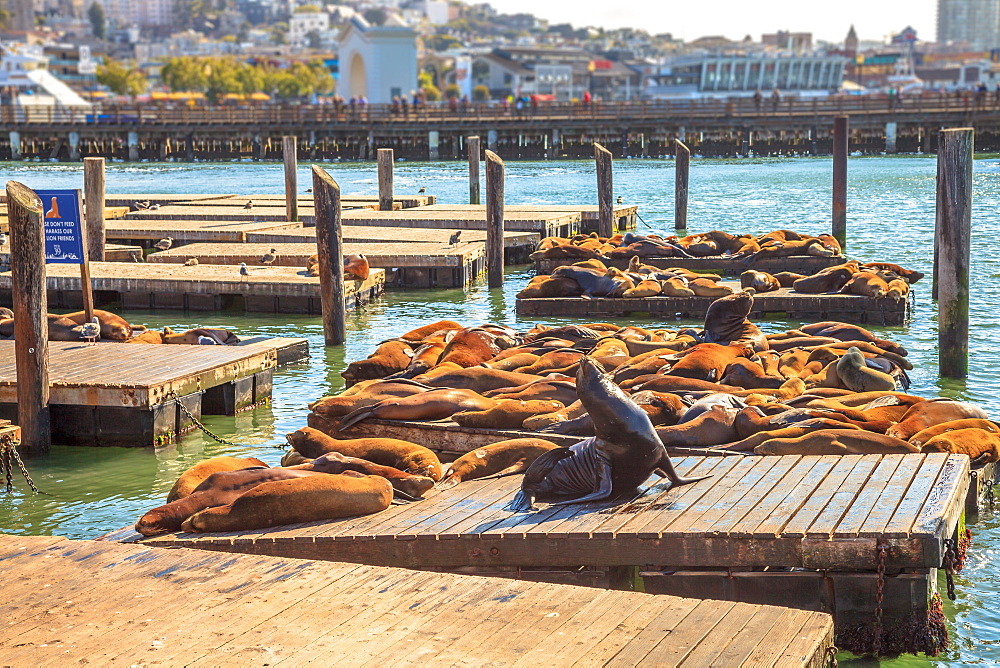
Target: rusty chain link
[
  {"x": 948, "y": 564},
  {"x": 881, "y": 554},
  {"x": 831, "y": 656},
  {"x": 8, "y": 458},
  {"x": 991, "y": 498},
  {"x": 197, "y": 423}
]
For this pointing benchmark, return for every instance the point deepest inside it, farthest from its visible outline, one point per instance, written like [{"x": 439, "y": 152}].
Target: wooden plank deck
[
  {"x": 191, "y": 231},
  {"x": 625, "y": 215},
  {"x": 126, "y": 605},
  {"x": 160, "y": 198},
  {"x": 791, "y": 511},
  {"x": 724, "y": 266},
  {"x": 202, "y": 287},
  {"x": 797, "y": 306},
  {"x": 360, "y": 235},
  {"x": 546, "y": 224},
  {"x": 112, "y": 252}
]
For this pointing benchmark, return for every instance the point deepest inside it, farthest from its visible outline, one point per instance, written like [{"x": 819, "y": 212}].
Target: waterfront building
[
  {"x": 972, "y": 22},
  {"x": 377, "y": 63}
]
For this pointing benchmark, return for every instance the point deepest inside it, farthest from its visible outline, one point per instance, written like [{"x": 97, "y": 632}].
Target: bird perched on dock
[
  {"x": 422, "y": 190},
  {"x": 192, "y": 262},
  {"x": 269, "y": 258},
  {"x": 248, "y": 205},
  {"x": 619, "y": 201},
  {"x": 309, "y": 190},
  {"x": 91, "y": 331},
  {"x": 140, "y": 206},
  {"x": 3, "y": 239},
  {"x": 454, "y": 238},
  {"x": 164, "y": 244},
  {"x": 244, "y": 271},
  {"x": 154, "y": 207},
  {"x": 135, "y": 255},
  {"x": 206, "y": 341}
]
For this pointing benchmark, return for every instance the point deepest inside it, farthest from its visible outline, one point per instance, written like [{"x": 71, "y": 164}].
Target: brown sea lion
[
  {"x": 374, "y": 391},
  {"x": 549, "y": 286},
  {"x": 667, "y": 383},
  {"x": 220, "y": 335},
  {"x": 924, "y": 435},
  {"x": 356, "y": 267},
  {"x": 761, "y": 281},
  {"x": 424, "y": 359},
  {"x": 793, "y": 431},
  {"x": 908, "y": 275},
  {"x": 663, "y": 408},
  {"x": 431, "y": 405},
  {"x": 149, "y": 336},
  {"x": 726, "y": 316},
  {"x": 113, "y": 327},
  {"x": 513, "y": 362},
  {"x": 787, "y": 278},
  {"x": 748, "y": 374},
  {"x": 197, "y": 474},
  {"x": 979, "y": 444},
  {"x": 789, "y": 248},
  {"x": 856, "y": 375},
  {"x": 402, "y": 455},
  {"x": 421, "y": 333},
  {"x": 594, "y": 283},
  {"x": 897, "y": 289},
  {"x": 713, "y": 427},
  {"x": 570, "y": 412},
  {"x": 836, "y": 442},
  {"x": 705, "y": 287},
  {"x": 503, "y": 458},
  {"x": 563, "y": 391},
  {"x": 409, "y": 485},
  {"x": 470, "y": 347},
  {"x": 507, "y": 414},
  {"x": 708, "y": 361},
  {"x": 645, "y": 288},
  {"x": 317, "y": 497},
  {"x": 479, "y": 379},
  {"x": 390, "y": 357},
  {"x": 928, "y": 413},
  {"x": 294, "y": 458},
  {"x": 845, "y": 332},
  {"x": 676, "y": 287},
  {"x": 830, "y": 279},
  {"x": 865, "y": 284}
]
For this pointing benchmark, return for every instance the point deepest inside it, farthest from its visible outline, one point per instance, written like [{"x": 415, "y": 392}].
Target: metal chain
[
  {"x": 6, "y": 464},
  {"x": 831, "y": 656},
  {"x": 881, "y": 553},
  {"x": 197, "y": 423},
  {"x": 8, "y": 457},
  {"x": 991, "y": 498},
  {"x": 950, "y": 558}
]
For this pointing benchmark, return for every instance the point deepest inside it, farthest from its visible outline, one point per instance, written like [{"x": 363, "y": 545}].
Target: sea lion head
[{"x": 619, "y": 423}]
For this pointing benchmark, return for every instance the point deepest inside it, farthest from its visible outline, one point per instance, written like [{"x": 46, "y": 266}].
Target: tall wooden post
[
  {"x": 953, "y": 243},
  {"x": 682, "y": 167},
  {"x": 385, "y": 165},
  {"x": 290, "y": 152},
  {"x": 31, "y": 328},
  {"x": 93, "y": 185},
  {"x": 841, "y": 138},
  {"x": 86, "y": 287},
  {"x": 605, "y": 192},
  {"x": 330, "y": 251},
  {"x": 494, "y": 219},
  {"x": 472, "y": 144}
]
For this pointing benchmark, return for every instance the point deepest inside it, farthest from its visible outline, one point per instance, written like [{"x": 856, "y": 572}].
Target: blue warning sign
[{"x": 63, "y": 231}]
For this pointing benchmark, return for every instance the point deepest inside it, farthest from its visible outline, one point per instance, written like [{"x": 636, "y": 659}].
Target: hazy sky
[{"x": 828, "y": 20}]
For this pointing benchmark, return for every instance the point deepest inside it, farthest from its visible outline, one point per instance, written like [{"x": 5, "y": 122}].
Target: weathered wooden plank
[
  {"x": 841, "y": 500},
  {"x": 884, "y": 507},
  {"x": 802, "y": 518},
  {"x": 775, "y": 520}
]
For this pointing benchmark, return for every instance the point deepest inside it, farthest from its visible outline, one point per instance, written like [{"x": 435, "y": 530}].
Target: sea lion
[
  {"x": 562, "y": 391},
  {"x": 432, "y": 405},
  {"x": 855, "y": 374},
  {"x": 711, "y": 427},
  {"x": 787, "y": 278},
  {"x": 402, "y": 455},
  {"x": 979, "y": 444},
  {"x": 570, "y": 412},
  {"x": 924, "y": 435},
  {"x": 865, "y": 284},
  {"x": 390, "y": 357},
  {"x": 908, "y": 275},
  {"x": 706, "y": 287},
  {"x": 507, "y": 414},
  {"x": 789, "y": 248},
  {"x": 197, "y": 474},
  {"x": 421, "y": 333},
  {"x": 113, "y": 327},
  {"x": 725, "y": 317},
  {"x": 407, "y": 485},
  {"x": 644, "y": 288},
  {"x": 836, "y": 442},
  {"x": 622, "y": 455},
  {"x": 897, "y": 289},
  {"x": 373, "y": 392},
  {"x": 550, "y": 286},
  {"x": 928, "y": 413},
  {"x": 470, "y": 347},
  {"x": 676, "y": 287},
  {"x": 708, "y": 361},
  {"x": 503, "y": 458},
  {"x": 294, "y": 458},
  {"x": 830, "y": 279},
  {"x": 594, "y": 283},
  {"x": 761, "y": 281},
  {"x": 220, "y": 335},
  {"x": 150, "y": 337},
  {"x": 316, "y": 497},
  {"x": 356, "y": 267},
  {"x": 748, "y": 374}
]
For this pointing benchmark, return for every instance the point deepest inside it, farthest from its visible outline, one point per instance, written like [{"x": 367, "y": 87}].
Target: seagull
[
  {"x": 244, "y": 272},
  {"x": 206, "y": 341},
  {"x": 619, "y": 199},
  {"x": 135, "y": 255},
  {"x": 248, "y": 205},
  {"x": 164, "y": 244},
  {"x": 422, "y": 190},
  {"x": 192, "y": 262},
  {"x": 454, "y": 238},
  {"x": 91, "y": 331},
  {"x": 309, "y": 190},
  {"x": 3, "y": 239},
  {"x": 139, "y": 206},
  {"x": 154, "y": 207},
  {"x": 269, "y": 258}
]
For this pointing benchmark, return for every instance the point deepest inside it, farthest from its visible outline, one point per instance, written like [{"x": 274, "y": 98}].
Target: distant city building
[
  {"x": 139, "y": 13},
  {"x": 699, "y": 76},
  {"x": 303, "y": 23},
  {"x": 789, "y": 41},
  {"x": 377, "y": 63},
  {"x": 851, "y": 43},
  {"x": 972, "y": 22}
]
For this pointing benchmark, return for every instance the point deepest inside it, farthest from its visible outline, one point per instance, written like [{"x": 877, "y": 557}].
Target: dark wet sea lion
[
  {"x": 402, "y": 455},
  {"x": 593, "y": 283},
  {"x": 316, "y": 497},
  {"x": 197, "y": 474},
  {"x": 507, "y": 414},
  {"x": 830, "y": 279},
  {"x": 726, "y": 316},
  {"x": 503, "y": 458},
  {"x": 431, "y": 405},
  {"x": 622, "y": 455}
]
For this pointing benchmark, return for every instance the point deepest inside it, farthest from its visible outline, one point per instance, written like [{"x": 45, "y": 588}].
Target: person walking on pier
[
  {"x": 758, "y": 99},
  {"x": 776, "y": 98}
]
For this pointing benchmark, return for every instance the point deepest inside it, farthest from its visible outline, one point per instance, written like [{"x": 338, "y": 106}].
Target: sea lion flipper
[{"x": 603, "y": 491}]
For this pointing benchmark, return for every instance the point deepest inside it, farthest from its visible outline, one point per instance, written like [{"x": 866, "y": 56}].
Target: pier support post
[
  {"x": 74, "y": 146},
  {"x": 605, "y": 192},
  {"x": 133, "y": 147},
  {"x": 290, "y": 153},
  {"x": 93, "y": 186},
  {"x": 841, "y": 138},
  {"x": 952, "y": 241},
  {"x": 257, "y": 149},
  {"x": 682, "y": 166},
  {"x": 491, "y": 140},
  {"x": 164, "y": 149},
  {"x": 330, "y": 252},
  {"x": 890, "y": 137},
  {"x": 15, "y": 145},
  {"x": 494, "y": 219},
  {"x": 386, "y": 159},
  {"x": 433, "y": 145},
  {"x": 31, "y": 329},
  {"x": 475, "y": 152},
  {"x": 189, "y": 147}
]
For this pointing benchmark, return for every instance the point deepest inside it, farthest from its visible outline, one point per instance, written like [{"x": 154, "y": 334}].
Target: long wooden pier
[
  {"x": 548, "y": 224},
  {"x": 408, "y": 265},
  {"x": 797, "y": 306},
  {"x": 124, "y": 605},
  {"x": 812, "y": 523},
  {"x": 198, "y": 288}
]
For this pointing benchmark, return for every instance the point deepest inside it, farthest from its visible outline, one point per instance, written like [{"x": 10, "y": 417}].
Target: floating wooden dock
[
  {"x": 552, "y": 224},
  {"x": 795, "y": 305},
  {"x": 112, "y": 394},
  {"x": 127, "y": 605},
  {"x": 112, "y": 253},
  {"x": 407, "y": 265},
  {"x": 144, "y": 231},
  {"x": 625, "y": 215},
  {"x": 145, "y": 285},
  {"x": 126, "y": 200},
  {"x": 719, "y": 264},
  {"x": 807, "y": 530}
]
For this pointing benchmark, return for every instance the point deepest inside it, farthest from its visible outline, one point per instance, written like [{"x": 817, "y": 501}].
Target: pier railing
[{"x": 768, "y": 109}]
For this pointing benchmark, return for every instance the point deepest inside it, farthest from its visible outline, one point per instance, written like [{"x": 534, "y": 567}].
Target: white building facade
[{"x": 377, "y": 62}]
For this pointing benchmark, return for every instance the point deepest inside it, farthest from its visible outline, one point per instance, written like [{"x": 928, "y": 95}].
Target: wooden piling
[
  {"x": 330, "y": 251},
  {"x": 93, "y": 184},
  {"x": 682, "y": 167},
  {"x": 841, "y": 137},
  {"x": 494, "y": 219},
  {"x": 31, "y": 330},
  {"x": 953, "y": 243},
  {"x": 605, "y": 192},
  {"x": 472, "y": 143},
  {"x": 385, "y": 165},
  {"x": 290, "y": 152}
]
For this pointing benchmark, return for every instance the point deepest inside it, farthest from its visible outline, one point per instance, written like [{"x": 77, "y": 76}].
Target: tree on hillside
[
  {"x": 184, "y": 74},
  {"x": 98, "y": 21},
  {"x": 121, "y": 79}
]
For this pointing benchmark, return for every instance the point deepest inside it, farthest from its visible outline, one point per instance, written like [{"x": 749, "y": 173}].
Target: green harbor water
[{"x": 91, "y": 491}]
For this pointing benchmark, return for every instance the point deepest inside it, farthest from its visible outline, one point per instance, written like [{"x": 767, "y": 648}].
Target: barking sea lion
[{"x": 623, "y": 454}]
